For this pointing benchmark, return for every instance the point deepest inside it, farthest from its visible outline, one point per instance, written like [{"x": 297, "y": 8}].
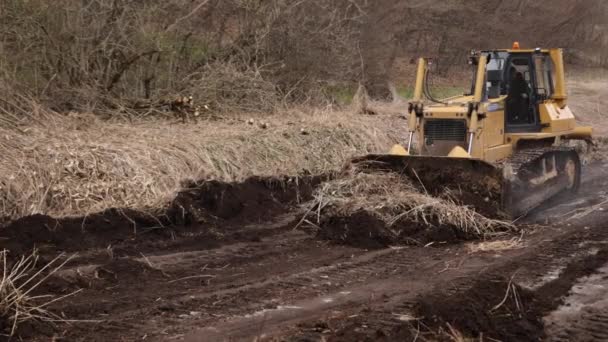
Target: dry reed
[{"x": 76, "y": 164}]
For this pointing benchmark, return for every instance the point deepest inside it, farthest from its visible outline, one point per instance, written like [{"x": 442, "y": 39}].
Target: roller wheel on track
[{"x": 572, "y": 169}]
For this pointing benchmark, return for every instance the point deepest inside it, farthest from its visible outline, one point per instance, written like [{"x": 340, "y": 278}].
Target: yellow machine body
[
  {"x": 488, "y": 138},
  {"x": 484, "y": 136}
]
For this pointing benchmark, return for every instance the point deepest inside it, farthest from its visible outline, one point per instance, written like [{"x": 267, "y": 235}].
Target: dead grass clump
[
  {"x": 64, "y": 166},
  {"x": 394, "y": 200},
  {"x": 18, "y": 303}
]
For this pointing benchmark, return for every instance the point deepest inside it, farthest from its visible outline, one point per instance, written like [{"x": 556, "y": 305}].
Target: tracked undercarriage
[{"x": 532, "y": 176}]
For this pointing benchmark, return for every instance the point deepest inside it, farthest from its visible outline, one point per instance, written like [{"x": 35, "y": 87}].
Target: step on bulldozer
[{"x": 505, "y": 145}]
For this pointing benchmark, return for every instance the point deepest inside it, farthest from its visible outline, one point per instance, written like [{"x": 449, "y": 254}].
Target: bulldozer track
[
  {"x": 521, "y": 176},
  {"x": 525, "y": 156}
]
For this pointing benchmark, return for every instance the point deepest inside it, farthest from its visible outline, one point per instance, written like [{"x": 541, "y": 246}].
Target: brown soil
[
  {"x": 364, "y": 230},
  {"x": 224, "y": 279},
  {"x": 256, "y": 199},
  {"x": 199, "y": 209},
  {"x": 476, "y": 311}
]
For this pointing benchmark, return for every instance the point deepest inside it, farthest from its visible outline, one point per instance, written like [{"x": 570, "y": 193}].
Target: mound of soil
[
  {"x": 486, "y": 310},
  {"x": 71, "y": 234},
  {"x": 255, "y": 199},
  {"x": 203, "y": 204},
  {"x": 360, "y": 230},
  {"x": 363, "y": 229}
]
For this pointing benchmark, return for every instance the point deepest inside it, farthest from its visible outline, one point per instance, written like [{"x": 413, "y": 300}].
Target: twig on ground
[{"x": 193, "y": 277}]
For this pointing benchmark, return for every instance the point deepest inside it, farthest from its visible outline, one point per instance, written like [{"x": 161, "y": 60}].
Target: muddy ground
[{"x": 234, "y": 268}]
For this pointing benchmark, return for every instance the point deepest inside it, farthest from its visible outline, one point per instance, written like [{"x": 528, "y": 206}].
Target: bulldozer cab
[{"x": 526, "y": 79}]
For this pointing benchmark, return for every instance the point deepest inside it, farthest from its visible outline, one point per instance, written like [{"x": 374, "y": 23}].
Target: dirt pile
[
  {"x": 69, "y": 234},
  {"x": 492, "y": 308},
  {"x": 200, "y": 207},
  {"x": 378, "y": 209},
  {"x": 253, "y": 200}
]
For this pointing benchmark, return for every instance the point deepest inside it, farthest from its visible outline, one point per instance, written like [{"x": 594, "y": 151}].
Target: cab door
[{"x": 522, "y": 111}]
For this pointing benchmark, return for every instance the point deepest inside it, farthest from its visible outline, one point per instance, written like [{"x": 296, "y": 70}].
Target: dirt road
[{"x": 266, "y": 280}]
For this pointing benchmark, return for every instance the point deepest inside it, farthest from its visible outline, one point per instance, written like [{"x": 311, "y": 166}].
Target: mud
[
  {"x": 488, "y": 309},
  {"x": 362, "y": 229},
  {"x": 256, "y": 199},
  {"x": 126, "y": 270},
  {"x": 209, "y": 208},
  {"x": 492, "y": 308},
  {"x": 251, "y": 275},
  {"x": 97, "y": 230}
]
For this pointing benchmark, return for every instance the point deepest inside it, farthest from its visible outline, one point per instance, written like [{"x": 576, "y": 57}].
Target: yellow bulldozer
[{"x": 506, "y": 143}]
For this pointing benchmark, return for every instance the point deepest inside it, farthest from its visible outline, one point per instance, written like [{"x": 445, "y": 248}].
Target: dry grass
[
  {"x": 588, "y": 101},
  {"x": 495, "y": 246},
  {"x": 393, "y": 199},
  {"x": 18, "y": 304},
  {"x": 77, "y": 164}
]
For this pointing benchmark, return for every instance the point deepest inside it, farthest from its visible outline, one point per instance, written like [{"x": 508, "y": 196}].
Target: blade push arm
[
  {"x": 477, "y": 97},
  {"x": 416, "y": 106}
]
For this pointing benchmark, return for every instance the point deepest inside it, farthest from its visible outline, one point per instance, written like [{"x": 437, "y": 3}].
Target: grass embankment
[{"x": 76, "y": 165}]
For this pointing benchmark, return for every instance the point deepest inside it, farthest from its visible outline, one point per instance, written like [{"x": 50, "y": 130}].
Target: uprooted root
[{"x": 393, "y": 204}]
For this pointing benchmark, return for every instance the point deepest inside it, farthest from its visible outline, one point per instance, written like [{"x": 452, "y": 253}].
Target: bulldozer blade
[
  {"x": 467, "y": 181},
  {"x": 490, "y": 189}
]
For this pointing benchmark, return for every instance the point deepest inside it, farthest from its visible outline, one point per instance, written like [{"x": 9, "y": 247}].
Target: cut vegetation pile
[{"x": 377, "y": 209}]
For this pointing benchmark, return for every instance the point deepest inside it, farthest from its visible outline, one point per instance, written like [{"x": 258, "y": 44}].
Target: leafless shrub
[
  {"x": 103, "y": 55},
  {"x": 224, "y": 88}
]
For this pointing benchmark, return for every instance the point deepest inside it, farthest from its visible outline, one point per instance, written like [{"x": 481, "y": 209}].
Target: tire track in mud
[
  {"x": 387, "y": 317},
  {"x": 536, "y": 267},
  {"x": 421, "y": 270},
  {"x": 547, "y": 266},
  {"x": 306, "y": 293},
  {"x": 399, "y": 278},
  {"x": 584, "y": 314}
]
